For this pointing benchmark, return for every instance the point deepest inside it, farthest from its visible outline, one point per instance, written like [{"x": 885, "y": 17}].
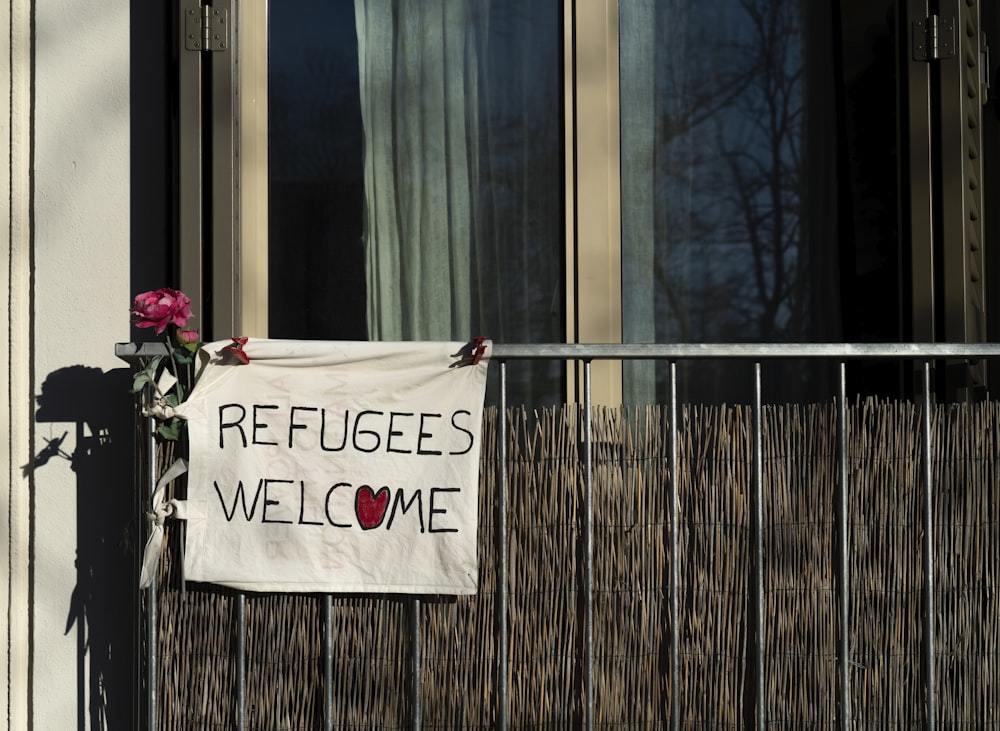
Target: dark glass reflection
[
  {"x": 315, "y": 186},
  {"x": 759, "y": 194}
]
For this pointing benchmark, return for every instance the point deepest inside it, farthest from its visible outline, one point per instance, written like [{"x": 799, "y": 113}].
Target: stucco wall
[
  {"x": 15, "y": 391},
  {"x": 69, "y": 448}
]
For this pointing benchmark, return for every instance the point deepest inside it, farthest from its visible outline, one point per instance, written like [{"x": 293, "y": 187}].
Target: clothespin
[
  {"x": 236, "y": 350},
  {"x": 471, "y": 353}
]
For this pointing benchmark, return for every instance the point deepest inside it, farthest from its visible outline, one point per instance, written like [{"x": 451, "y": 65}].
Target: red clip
[
  {"x": 236, "y": 350},
  {"x": 471, "y": 353},
  {"x": 480, "y": 345}
]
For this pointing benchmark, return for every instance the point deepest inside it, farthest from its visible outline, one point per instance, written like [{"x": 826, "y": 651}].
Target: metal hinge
[
  {"x": 206, "y": 29},
  {"x": 933, "y": 38},
  {"x": 984, "y": 68}
]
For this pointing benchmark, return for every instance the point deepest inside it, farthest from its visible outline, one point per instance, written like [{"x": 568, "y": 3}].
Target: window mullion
[
  {"x": 189, "y": 172},
  {"x": 253, "y": 169},
  {"x": 595, "y": 195},
  {"x": 225, "y": 283}
]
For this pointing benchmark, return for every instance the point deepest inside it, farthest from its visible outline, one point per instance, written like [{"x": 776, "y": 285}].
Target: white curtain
[
  {"x": 639, "y": 147},
  {"x": 461, "y": 105},
  {"x": 418, "y": 63}
]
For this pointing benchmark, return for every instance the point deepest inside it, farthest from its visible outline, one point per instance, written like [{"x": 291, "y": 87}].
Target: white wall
[
  {"x": 15, "y": 390},
  {"x": 68, "y": 284}
]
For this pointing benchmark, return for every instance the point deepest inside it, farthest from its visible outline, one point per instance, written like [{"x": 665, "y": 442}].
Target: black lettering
[
  {"x": 322, "y": 434},
  {"x": 433, "y": 510},
  {"x": 257, "y": 425},
  {"x": 393, "y": 433},
  {"x": 398, "y": 502},
  {"x": 329, "y": 494},
  {"x": 263, "y": 512},
  {"x": 302, "y": 505},
  {"x": 239, "y": 496},
  {"x": 421, "y": 434},
  {"x": 357, "y": 423},
  {"x": 224, "y": 425},
  {"x": 472, "y": 438},
  {"x": 292, "y": 426}
]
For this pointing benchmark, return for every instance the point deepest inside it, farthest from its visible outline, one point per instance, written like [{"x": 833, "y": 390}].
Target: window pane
[
  {"x": 315, "y": 187},
  {"x": 416, "y": 166},
  {"x": 729, "y": 171}
]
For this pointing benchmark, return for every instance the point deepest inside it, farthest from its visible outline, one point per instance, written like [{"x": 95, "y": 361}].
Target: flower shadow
[{"x": 96, "y": 421}]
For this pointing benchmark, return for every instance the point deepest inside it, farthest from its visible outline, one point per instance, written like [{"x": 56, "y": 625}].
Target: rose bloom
[
  {"x": 189, "y": 339},
  {"x": 160, "y": 308}
]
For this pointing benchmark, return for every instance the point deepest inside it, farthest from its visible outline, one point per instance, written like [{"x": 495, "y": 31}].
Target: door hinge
[
  {"x": 933, "y": 38},
  {"x": 984, "y": 68},
  {"x": 206, "y": 29}
]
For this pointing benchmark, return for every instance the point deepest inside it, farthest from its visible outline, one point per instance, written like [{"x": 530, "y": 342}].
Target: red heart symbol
[{"x": 370, "y": 506}]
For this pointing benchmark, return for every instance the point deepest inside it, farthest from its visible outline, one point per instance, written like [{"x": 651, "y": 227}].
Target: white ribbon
[
  {"x": 161, "y": 510},
  {"x": 161, "y": 409}
]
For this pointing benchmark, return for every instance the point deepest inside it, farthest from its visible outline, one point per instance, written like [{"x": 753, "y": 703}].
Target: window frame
[{"x": 224, "y": 251}]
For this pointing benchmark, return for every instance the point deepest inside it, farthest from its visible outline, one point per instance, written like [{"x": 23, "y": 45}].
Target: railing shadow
[{"x": 103, "y": 603}]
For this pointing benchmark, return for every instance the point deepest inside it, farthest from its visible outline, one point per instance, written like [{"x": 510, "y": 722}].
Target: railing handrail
[
  {"x": 743, "y": 351},
  {"x": 693, "y": 351}
]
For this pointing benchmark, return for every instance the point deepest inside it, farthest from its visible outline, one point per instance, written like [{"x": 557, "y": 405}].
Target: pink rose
[
  {"x": 161, "y": 308},
  {"x": 189, "y": 339}
]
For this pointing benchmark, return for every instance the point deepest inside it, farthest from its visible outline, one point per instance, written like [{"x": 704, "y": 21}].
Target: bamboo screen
[{"x": 632, "y": 570}]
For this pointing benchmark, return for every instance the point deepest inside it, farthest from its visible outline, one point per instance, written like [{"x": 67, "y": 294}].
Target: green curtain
[{"x": 418, "y": 63}]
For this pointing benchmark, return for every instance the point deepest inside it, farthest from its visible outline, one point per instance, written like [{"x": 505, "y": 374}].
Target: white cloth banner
[{"x": 335, "y": 467}]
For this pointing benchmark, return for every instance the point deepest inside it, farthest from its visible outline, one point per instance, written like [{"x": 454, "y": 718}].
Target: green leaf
[
  {"x": 146, "y": 375},
  {"x": 171, "y": 431},
  {"x": 183, "y": 357},
  {"x": 139, "y": 381}
]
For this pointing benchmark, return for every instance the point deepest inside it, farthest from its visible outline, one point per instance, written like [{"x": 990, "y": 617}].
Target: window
[
  {"x": 415, "y": 173},
  {"x": 727, "y": 170}
]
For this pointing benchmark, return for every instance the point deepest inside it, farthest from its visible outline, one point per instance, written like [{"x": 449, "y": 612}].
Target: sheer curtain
[
  {"x": 418, "y": 66},
  {"x": 641, "y": 149},
  {"x": 461, "y": 109}
]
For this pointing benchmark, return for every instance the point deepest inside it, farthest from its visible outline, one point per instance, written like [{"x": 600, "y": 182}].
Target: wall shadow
[{"x": 104, "y": 604}]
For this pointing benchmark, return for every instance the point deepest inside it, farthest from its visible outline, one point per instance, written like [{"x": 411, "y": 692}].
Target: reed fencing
[{"x": 815, "y": 565}]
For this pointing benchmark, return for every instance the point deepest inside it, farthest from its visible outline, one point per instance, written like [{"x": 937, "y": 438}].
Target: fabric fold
[{"x": 160, "y": 510}]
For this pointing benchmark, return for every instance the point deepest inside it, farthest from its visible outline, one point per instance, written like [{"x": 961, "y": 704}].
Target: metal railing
[{"x": 923, "y": 355}]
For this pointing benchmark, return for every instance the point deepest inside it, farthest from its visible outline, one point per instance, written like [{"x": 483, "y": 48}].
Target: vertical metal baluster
[
  {"x": 241, "y": 661},
  {"x": 675, "y": 580},
  {"x": 417, "y": 665},
  {"x": 182, "y": 527},
  {"x": 756, "y": 532},
  {"x": 328, "y": 662},
  {"x": 502, "y": 568},
  {"x": 844, "y": 569},
  {"x": 589, "y": 543},
  {"x": 928, "y": 553},
  {"x": 151, "y": 596}
]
